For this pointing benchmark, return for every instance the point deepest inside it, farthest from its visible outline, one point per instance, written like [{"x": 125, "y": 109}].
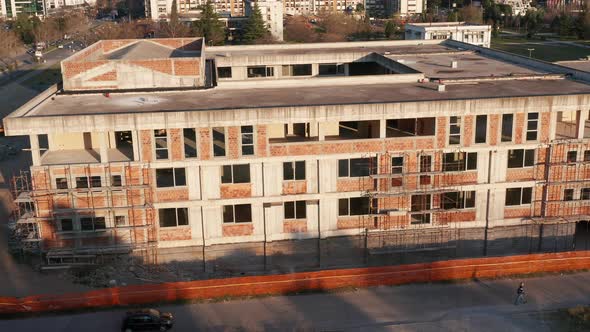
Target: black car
[{"x": 147, "y": 320}]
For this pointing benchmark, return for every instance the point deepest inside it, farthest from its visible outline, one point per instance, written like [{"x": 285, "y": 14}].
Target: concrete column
[
  {"x": 321, "y": 132},
  {"x": 346, "y": 70},
  {"x": 581, "y": 117},
  {"x": 136, "y": 143},
  {"x": 35, "y": 151},
  {"x": 315, "y": 69},
  {"x": 104, "y": 147},
  {"x": 382, "y": 128},
  {"x": 314, "y": 128}
]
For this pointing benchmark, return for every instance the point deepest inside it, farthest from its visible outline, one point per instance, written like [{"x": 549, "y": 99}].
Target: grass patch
[
  {"x": 45, "y": 79},
  {"x": 543, "y": 50}
]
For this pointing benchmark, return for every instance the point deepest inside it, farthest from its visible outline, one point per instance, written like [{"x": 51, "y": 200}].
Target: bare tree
[{"x": 10, "y": 46}]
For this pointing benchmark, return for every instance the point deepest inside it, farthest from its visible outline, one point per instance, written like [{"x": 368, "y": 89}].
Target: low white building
[
  {"x": 476, "y": 34},
  {"x": 272, "y": 14},
  {"x": 402, "y": 7}
]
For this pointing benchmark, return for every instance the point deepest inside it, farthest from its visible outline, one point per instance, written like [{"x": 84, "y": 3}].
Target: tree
[
  {"x": 471, "y": 14},
  {"x": 389, "y": 29},
  {"x": 174, "y": 27},
  {"x": 255, "y": 28},
  {"x": 10, "y": 46},
  {"x": 209, "y": 26},
  {"x": 533, "y": 20}
]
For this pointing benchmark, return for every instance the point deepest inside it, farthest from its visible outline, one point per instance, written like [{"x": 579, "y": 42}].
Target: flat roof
[
  {"x": 224, "y": 98},
  {"x": 583, "y": 65},
  {"x": 447, "y": 24},
  {"x": 468, "y": 64},
  {"x": 146, "y": 50},
  {"x": 417, "y": 48},
  {"x": 475, "y": 77}
]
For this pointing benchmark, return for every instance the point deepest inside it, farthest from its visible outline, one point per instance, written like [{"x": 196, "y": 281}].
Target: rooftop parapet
[{"x": 133, "y": 64}]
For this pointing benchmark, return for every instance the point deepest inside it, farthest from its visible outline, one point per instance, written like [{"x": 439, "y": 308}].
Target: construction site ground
[{"x": 481, "y": 305}]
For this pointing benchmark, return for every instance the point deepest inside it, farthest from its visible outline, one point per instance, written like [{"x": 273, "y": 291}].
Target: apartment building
[
  {"x": 155, "y": 145},
  {"x": 11, "y": 8},
  {"x": 476, "y": 34},
  {"x": 403, "y": 7},
  {"x": 160, "y": 9}
]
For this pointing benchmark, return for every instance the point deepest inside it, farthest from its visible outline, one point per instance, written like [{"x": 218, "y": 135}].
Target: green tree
[
  {"x": 174, "y": 27},
  {"x": 25, "y": 27},
  {"x": 389, "y": 29},
  {"x": 255, "y": 27},
  {"x": 209, "y": 26},
  {"x": 533, "y": 21}
]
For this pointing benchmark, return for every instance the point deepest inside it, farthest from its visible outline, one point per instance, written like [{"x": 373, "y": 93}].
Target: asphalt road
[{"x": 470, "y": 306}]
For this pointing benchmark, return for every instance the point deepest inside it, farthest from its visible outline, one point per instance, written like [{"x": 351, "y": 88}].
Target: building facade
[
  {"x": 407, "y": 145},
  {"x": 476, "y": 34},
  {"x": 272, "y": 14}
]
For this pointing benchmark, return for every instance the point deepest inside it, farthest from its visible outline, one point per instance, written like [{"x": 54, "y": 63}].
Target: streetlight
[{"x": 530, "y": 51}]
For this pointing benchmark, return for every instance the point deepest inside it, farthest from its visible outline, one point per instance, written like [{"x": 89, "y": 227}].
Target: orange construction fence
[{"x": 490, "y": 267}]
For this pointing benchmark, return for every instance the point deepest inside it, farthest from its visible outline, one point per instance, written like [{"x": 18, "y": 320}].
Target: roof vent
[
  {"x": 454, "y": 64},
  {"x": 441, "y": 88}
]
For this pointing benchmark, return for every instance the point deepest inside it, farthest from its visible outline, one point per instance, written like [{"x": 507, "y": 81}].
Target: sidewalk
[{"x": 469, "y": 306}]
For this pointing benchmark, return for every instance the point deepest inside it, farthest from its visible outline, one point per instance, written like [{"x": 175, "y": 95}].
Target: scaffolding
[
  {"x": 124, "y": 196},
  {"x": 406, "y": 195},
  {"x": 563, "y": 183}
]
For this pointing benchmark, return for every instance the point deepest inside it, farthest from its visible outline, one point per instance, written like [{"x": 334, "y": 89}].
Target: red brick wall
[
  {"x": 71, "y": 69},
  {"x": 175, "y": 144},
  {"x": 205, "y": 143},
  {"x": 233, "y": 142},
  {"x": 294, "y": 187},
  {"x": 109, "y": 76},
  {"x": 171, "y": 195},
  {"x": 146, "y": 147},
  {"x": 174, "y": 233},
  {"x": 516, "y": 212},
  {"x": 467, "y": 138},
  {"x": 441, "y": 132},
  {"x": 494, "y": 129},
  {"x": 261, "y": 141},
  {"x": 236, "y": 190},
  {"x": 355, "y": 184},
  {"x": 162, "y": 66},
  {"x": 519, "y": 128},
  {"x": 238, "y": 229},
  {"x": 374, "y": 145},
  {"x": 545, "y": 119},
  {"x": 295, "y": 226},
  {"x": 111, "y": 45},
  {"x": 444, "y": 218},
  {"x": 520, "y": 174},
  {"x": 187, "y": 67}
]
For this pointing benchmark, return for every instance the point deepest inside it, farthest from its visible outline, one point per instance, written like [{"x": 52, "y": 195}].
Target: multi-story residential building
[
  {"x": 272, "y": 14},
  {"x": 385, "y": 147},
  {"x": 476, "y": 34},
  {"x": 404, "y": 7},
  {"x": 11, "y": 8},
  {"x": 3, "y": 9},
  {"x": 160, "y": 9}
]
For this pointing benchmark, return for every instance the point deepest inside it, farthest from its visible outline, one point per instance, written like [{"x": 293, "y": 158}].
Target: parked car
[{"x": 147, "y": 320}]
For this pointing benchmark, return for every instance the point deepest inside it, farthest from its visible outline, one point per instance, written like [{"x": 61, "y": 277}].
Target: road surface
[{"x": 469, "y": 306}]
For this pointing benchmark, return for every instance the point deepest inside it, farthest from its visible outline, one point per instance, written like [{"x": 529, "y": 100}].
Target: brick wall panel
[
  {"x": 237, "y": 229},
  {"x": 294, "y": 187},
  {"x": 494, "y": 129},
  {"x": 205, "y": 144},
  {"x": 175, "y": 144},
  {"x": 174, "y": 233},
  {"x": 441, "y": 132},
  {"x": 146, "y": 147},
  {"x": 519, "y": 128},
  {"x": 261, "y": 141},
  {"x": 171, "y": 195},
  {"x": 468, "y": 130},
  {"x": 233, "y": 142},
  {"x": 239, "y": 190},
  {"x": 295, "y": 226}
]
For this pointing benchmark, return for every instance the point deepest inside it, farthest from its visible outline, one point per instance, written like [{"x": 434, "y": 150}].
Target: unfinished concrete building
[{"x": 336, "y": 154}]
